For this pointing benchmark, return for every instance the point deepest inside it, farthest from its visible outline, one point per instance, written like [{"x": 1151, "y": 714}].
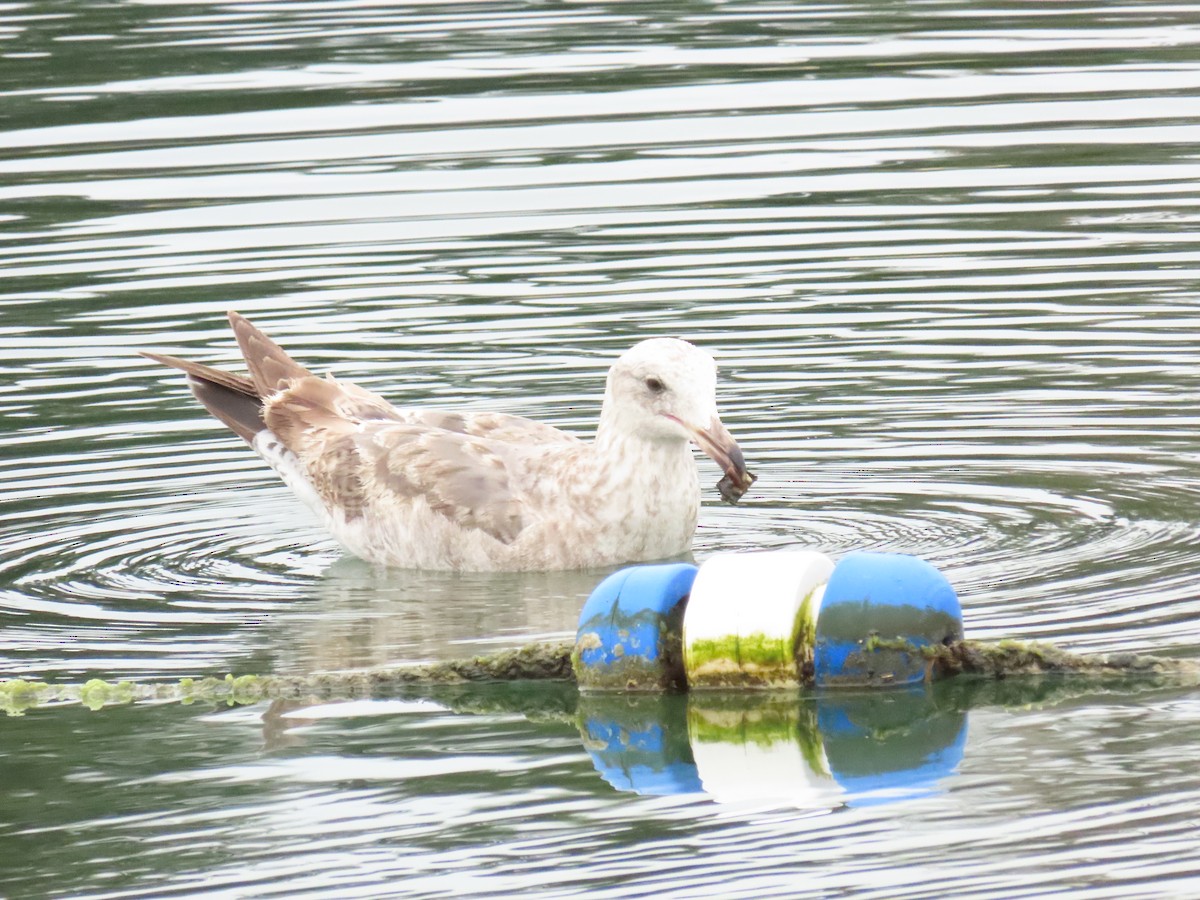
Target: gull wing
[
  {"x": 392, "y": 462},
  {"x": 359, "y": 453}
]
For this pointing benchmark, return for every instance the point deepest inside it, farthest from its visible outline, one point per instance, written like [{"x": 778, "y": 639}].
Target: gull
[{"x": 482, "y": 491}]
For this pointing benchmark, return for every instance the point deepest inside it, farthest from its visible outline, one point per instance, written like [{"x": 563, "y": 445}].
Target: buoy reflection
[{"x": 811, "y": 750}]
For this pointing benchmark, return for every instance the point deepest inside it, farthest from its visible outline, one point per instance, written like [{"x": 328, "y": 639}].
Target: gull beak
[{"x": 719, "y": 444}]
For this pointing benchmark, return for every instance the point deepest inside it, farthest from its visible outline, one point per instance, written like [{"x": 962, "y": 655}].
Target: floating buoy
[
  {"x": 630, "y": 630},
  {"x": 747, "y": 615},
  {"x": 876, "y": 613},
  {"x": 766, "y": 619}
]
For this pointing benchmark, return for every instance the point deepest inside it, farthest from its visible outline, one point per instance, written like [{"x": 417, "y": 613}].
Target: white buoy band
[{"x": 751, "y": 618}]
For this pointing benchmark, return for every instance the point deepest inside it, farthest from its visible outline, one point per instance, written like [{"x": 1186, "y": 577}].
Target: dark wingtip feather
[
  {"x": 231, "y": 398},
  {"x": 239, "y": 411}
]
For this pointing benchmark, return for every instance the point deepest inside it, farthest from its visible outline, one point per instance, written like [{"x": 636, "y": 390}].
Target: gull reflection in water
[{"x": 368, "y": 616}]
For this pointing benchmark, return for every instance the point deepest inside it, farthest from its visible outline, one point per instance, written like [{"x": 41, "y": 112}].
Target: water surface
[{"x": 946, "y": 255}]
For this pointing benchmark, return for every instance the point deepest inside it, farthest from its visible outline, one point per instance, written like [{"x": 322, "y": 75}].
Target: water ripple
[{"x": 946, "y": 257}]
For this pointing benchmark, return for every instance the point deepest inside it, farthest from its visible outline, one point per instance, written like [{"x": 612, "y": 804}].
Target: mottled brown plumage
[{"x": 459, "y": 490}]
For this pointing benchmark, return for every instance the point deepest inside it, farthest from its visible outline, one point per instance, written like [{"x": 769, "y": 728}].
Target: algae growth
[
  {"x": 18, "y": 695},
  {"x": 552, "y": 662},
  {"x": 534, "y": 662},
  {"x": 754, "y": 660}
]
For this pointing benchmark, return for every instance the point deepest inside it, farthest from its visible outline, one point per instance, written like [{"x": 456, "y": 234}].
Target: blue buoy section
[
  {"x": 877, "y": 612},
  {"x": 630, "y": 630}
]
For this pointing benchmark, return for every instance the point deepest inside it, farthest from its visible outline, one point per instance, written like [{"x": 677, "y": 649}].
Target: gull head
[{"x": 665, "y": 390}]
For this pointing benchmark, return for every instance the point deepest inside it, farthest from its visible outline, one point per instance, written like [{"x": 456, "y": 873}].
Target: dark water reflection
[
  {"x": 946, "y": 255},
  {"x": 486, "y": 790}
]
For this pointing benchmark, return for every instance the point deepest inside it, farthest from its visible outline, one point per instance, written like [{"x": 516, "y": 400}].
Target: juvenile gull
[{"x": 435, "y": 489}]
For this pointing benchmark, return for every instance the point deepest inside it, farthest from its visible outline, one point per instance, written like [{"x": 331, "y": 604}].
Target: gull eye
[{"x": 655, "y": 386}]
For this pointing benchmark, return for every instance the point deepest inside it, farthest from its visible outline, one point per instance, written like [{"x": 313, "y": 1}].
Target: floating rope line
[{"x": 553, "y": 662}]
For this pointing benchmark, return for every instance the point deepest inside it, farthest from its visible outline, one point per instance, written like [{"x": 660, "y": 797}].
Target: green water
[{"x": 946, "y": 255}]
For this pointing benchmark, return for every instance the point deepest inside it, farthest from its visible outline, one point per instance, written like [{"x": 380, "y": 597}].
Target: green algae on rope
[
  {"x": 552, "y": 662},
  {"x": 1009, "y": 658},
  {"x": 533, "y": 662}
]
